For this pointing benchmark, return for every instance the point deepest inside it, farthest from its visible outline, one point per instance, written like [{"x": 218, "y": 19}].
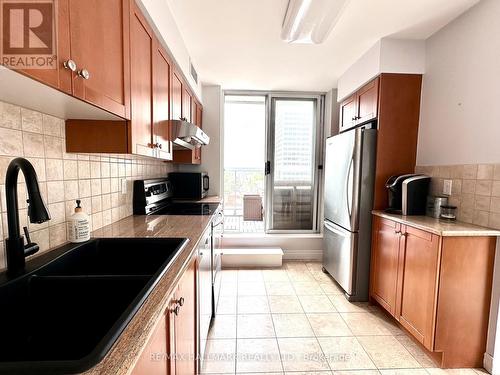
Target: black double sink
[{"x": 63, "y": 316}]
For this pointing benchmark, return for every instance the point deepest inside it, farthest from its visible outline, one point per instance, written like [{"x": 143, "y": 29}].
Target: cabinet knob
[
  {"x": 181, "y": 301},
  {"x": 84, "y": 73},
  {"x": 176, "y": 310},
  {"x": 70, "y": 64}
]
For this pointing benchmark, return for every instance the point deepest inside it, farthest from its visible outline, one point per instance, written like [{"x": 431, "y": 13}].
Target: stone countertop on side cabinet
[
  {"x": 440, "y": 227},
  {"x": 128, "y": 347}
]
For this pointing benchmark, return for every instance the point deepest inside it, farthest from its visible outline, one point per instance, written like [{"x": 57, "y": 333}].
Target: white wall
[
  {"x": 158, "y": 12},
  {"x": 388, "y": 55},
  {"x": 460, "y": 111},
  {"x": 362, "y": 71},
  {"x": 211, "y": 155},
  {"x": 459, "y": 117}
]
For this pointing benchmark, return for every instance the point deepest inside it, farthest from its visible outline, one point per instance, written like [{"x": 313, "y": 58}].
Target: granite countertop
[
  {"x": 209, "y": 199},
  {"x": 440, "y": 227},
  {"x": 127, "y": 349}
]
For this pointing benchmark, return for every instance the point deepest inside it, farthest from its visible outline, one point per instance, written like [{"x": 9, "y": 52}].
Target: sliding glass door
[
  {"x": 272, "y": 148},
  {"x": 292, "y": 163}
]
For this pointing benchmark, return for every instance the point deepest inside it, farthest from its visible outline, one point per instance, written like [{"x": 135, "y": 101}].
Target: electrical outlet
[
  {"x": 124, "y": 185},
  {"x": 447, "y": 187}
]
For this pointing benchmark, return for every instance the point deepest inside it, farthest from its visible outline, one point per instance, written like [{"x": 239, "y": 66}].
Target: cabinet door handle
[
  {"x": 84, "y": 73},
  {"x": 70, "y": 65},
  {"x": 176, "y": 310},
  {"x": 181, "y": 301},
  {"x": 159, "y": 145},
  {"x": 398, "y": 232}
]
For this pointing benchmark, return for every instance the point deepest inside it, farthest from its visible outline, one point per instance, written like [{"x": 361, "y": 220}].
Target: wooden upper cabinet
[
  {"x": 360, "y": 107},
  {"x": 186, "y": 105},
  {"x": 191, "y": 110},
  {"x": 384, "y": 263},
  {"x": 60, "y": 77},
  {"x": 94, "y": 34},
  {"x": 161, "y": 103},
  {"x": 100, "y": 46},
  {"x": 418, "y": 283},
  {"x": 199, "y": 115},
  {"x": 141, "y": 59},
  {"x": 348, "y": 113},
  {"x": 185, "y": 323},
  {"x": 367, "y": 102},
  {"x": 177, "y": 88}
]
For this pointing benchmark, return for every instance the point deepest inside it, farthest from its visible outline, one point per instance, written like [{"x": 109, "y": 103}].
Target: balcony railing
[{"x": 292, "y": 207}]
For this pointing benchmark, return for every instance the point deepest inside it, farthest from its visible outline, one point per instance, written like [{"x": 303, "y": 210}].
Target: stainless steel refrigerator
[{"x": 348, "y": 196}]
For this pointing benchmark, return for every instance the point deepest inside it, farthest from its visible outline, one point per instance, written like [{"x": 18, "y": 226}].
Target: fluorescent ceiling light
[{"x": 310, "y": 21}]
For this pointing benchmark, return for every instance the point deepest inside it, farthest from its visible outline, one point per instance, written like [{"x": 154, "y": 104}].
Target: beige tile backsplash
[
  {"x": 95, "y": 179},
  {"x": 475, "y": 190}
]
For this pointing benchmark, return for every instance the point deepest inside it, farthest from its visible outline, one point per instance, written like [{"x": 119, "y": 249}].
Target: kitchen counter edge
[{"x": 440, "y": 227}]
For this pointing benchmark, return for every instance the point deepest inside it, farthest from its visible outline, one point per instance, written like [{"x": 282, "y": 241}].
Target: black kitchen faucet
[{"x": 16, "y": 251}]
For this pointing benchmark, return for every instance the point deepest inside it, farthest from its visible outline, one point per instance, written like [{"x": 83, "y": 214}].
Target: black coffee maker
[
  {"x": 408, "y": 194},
  {"x": 394, "y": 186}
]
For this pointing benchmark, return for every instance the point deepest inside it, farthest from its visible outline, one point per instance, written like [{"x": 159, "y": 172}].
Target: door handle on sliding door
[{"x": 267, "y": 168}]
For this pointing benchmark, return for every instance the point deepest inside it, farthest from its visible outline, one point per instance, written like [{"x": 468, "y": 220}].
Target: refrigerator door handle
[
  {"x": 349, "y": 183},
  {"x": 336, "y": 229}
]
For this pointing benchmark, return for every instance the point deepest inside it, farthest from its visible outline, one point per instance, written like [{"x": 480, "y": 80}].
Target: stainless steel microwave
[{"x": 189, "y": 185}]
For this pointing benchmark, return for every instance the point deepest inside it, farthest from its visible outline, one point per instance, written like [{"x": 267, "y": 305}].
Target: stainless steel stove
[{"x": 155, "y": 197}]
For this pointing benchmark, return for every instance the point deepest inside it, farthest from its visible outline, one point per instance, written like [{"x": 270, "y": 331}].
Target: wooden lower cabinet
[
  {"x": 384, "y": 263},
  {"x": 185, "y": 323},
  {"x": 437, "y": 288},
  {"x": 417, "y": 283},
  {"x": 172, "y": 348},
  {"x": 153, "y": 359}
]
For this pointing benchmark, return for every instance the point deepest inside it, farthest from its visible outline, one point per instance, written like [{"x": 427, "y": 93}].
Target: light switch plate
[
  {"x": 447, "y": 187},
  {"x": 124, "y": 185}
]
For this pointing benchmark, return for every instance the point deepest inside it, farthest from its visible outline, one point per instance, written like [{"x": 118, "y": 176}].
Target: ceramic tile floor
[{"x": 295, "y": 320}]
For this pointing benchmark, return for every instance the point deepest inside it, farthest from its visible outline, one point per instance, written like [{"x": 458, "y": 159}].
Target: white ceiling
[{"x": 236, "y": 43}]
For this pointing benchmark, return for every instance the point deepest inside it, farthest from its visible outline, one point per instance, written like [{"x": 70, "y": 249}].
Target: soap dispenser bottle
[{"x": 79, "y": 225}]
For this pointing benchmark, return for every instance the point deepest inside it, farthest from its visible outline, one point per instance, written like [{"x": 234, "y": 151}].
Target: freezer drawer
[{"x": 340, "y": 255}]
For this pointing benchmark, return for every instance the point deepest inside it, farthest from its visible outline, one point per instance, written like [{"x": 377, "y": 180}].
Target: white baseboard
[
  {"x": 252, "y": 257},
  {"x": 488, "y": 364},
  {"x": 309, "y": 255}
]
